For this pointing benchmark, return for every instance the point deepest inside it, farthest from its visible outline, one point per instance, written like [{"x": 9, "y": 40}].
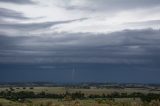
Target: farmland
[
  {"x": 93, "y": 90},
  {"x": 79, "y": 96}
]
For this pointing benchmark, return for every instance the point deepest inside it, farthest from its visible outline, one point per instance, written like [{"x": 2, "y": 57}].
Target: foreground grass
[
  {"x": 87, "y": 102},
  {"x": 84, "y": 102}
]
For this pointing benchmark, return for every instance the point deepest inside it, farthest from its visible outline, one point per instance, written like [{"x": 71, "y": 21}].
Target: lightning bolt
[{"x": 73, "y": 74}]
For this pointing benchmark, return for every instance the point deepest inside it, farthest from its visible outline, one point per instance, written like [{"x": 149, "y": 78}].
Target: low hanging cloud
[{"x": 125, "y": 47}]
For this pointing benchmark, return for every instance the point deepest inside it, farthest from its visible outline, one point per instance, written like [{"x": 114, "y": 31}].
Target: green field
[
  {"x": 79, "y": 102},
  {"x": 92, "y": 90}
]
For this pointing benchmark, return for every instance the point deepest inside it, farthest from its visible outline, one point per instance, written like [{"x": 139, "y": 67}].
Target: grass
[
  {"x": 61, "y": 90},
  {"x": 86, "y": 102}
]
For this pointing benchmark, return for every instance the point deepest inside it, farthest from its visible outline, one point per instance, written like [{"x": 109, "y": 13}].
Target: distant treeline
[
  {"x": 78, "y": 84},
  {"x": 144, "y": 97},
  {"x": 22, "y": 95}
]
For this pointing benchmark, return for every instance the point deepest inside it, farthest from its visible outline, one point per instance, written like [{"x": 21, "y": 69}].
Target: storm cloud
[
  {"x": 101, "y": 38},
  {"x": 128, "y": 46}
]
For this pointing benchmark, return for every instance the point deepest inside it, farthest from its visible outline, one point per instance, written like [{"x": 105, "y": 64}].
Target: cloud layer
[
  {"x": 103, "y": 16},
  {"x": 128, "y": 47},
  {"x": 122, "y": 33},
  {"x": 79, "y": 31}
]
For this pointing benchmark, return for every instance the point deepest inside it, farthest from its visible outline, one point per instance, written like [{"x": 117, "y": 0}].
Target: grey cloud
[
  {"x": 125, "y": 47},
  {"x": 114, "y": 5},
  {"x": 144, "y": 23},
  {"x": 18, "y": 1},
  {"x": 29, "y": 27},
  {"x": 7, "y": 13}
]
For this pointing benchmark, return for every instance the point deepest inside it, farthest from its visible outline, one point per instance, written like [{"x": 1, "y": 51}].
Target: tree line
[{"x": 22, "y": 95}]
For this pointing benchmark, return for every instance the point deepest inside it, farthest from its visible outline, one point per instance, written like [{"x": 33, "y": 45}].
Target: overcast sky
[{"x": 120, "y": 37}]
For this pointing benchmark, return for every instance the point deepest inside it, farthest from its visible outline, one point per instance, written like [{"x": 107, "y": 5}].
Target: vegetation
[
  {"x": 27, "y": 96},
  {"x": 11, "y": 95}
]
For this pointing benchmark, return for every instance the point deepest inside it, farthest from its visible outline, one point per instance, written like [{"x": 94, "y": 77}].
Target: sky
[{"x": 80, "y": 41}]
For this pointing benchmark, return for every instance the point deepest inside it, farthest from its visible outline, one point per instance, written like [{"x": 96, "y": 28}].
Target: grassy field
[
  {"x": 93, "y": 90},
  {"x": 78, "y": 102}
]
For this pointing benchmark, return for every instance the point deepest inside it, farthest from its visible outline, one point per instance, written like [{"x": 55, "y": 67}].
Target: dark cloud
[
  {"x": 90, "y": 72},
  {"x": 18, "y": 1},
  {"x": 7, "y": 13},
  {"x": 36, "y": 52},
  {"x": 128, "y": 47},
  {"x": 123, "y": 56}
]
